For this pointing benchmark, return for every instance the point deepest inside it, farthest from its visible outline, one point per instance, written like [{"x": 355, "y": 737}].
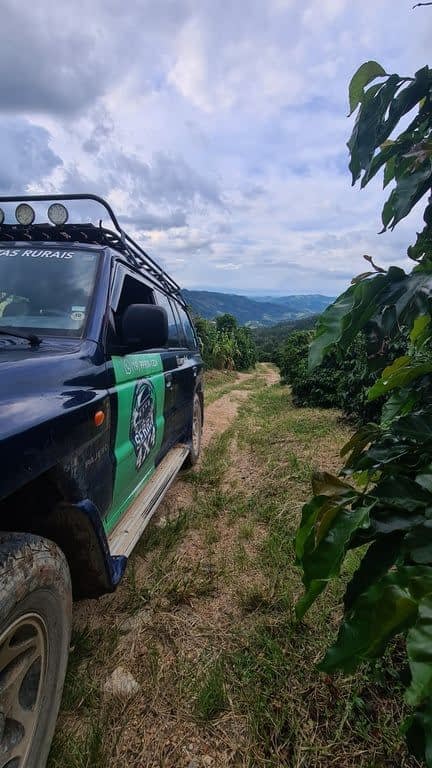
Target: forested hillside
[
  {"x": 256, "y": 312},
  {"x": 269, "y": 340}
]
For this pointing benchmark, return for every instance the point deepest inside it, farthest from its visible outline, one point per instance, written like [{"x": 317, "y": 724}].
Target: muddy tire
[
  {"x": 35, "y": 626},
  {"x": 197, "y": 423}
]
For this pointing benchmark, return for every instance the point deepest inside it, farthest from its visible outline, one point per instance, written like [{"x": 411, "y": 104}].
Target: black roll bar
[{"x": 120, "y": 240}]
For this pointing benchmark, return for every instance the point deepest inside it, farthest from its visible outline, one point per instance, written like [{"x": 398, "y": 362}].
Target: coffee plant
[
  {"x": 382, "y": 499},
  {"x": 225, "y": 344}
]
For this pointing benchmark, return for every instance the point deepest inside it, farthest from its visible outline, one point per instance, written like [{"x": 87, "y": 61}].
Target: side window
[
  {"x": 174, "y": 338},
  {"x": 188, "y": 330},
  {"x": 133, "y": 292},
  {"x": 126, "y": 290}
]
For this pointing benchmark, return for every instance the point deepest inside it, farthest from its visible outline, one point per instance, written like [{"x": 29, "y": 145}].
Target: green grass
[
  {"x": 181, "y": 586},
  {"x": 81, "y": 692},
  {"x": 214, "y": 464},
  {"x": 216, "y": 379},
  {"x": 297, "y": 717},
  {"x": 86, "y": 750},
  {"x": 220, "y": 383},
  {"x": 91, "y": 649},
  {"x": 217, "y": 384},
  {"x": 211, "y": 699},
  {"x": 164, "y": 537}
]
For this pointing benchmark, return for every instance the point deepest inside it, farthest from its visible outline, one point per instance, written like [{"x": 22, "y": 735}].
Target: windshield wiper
[{"x": 31, "y": 337}]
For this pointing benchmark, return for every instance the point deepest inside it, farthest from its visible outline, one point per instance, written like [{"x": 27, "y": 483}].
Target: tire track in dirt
[
  {"x": 186, "y": 632},
  {"x": 221, "y": 413},
  {"x": 218, "y": 417}
]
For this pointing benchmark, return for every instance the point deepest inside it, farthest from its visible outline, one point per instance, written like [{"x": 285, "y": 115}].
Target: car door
[
  {"x": 172, "y": 358},
  {"x": 190, "y": 374},
  {"x": 137, "y": 404}
]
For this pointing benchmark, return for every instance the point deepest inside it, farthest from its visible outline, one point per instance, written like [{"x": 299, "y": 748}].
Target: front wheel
[
  {"x": 35, "y": 626},
  {"x": 197, "y": 422}
]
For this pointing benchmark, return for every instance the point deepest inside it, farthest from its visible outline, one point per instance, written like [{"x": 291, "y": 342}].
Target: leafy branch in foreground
[{"x": 382, "y": 500}]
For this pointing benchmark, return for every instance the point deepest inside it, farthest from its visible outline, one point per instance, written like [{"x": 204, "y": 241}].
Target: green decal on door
[{"x": 140, "y": 386}]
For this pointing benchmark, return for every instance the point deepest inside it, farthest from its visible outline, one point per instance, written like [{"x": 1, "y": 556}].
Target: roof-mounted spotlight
[
  {"x": 25, "y": 214},
  {"x": 58, "y": 214},
  {"x": 2, "y": 217}
]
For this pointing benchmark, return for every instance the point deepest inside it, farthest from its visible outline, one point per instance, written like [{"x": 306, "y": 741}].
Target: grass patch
[
  {"x": 215, "y": 379},
  {"x": 222, "y": 383},
  {"x": 214, "y": 463},
  {"x": 81, "y": 691},
  {"x": 82, "y": 702},
  {"x": 136, "y": 595},
  {"x": 259, "y": 599},
  {"x": 85, "y": 750},
  {"x": 181, "y": 586},
  {"x": 211, "y": 698},
  {"x": 164, "y": 537}
]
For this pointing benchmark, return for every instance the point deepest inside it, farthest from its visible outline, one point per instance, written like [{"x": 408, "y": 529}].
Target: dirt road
[{"x": 195, "y": 660}]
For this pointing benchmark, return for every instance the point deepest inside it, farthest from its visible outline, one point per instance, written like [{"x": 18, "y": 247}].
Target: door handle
[{"x": 168, "y": 380}]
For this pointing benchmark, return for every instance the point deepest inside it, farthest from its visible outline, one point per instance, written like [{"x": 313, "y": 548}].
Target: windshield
[{"x": 46, "y": 290}]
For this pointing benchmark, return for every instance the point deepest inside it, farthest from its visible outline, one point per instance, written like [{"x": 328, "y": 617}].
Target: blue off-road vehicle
[{"x": 101, "y": 404}]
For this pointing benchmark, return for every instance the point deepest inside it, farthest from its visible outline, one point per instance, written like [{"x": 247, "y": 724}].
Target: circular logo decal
[{"x": 143, "y": 421}]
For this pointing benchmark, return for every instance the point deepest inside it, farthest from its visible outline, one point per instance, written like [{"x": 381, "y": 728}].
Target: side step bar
[{"x": 132, "y": 523}]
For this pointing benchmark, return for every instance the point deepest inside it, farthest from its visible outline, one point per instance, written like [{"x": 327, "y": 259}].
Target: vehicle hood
[
  {"x": 39, "y": 383},
  {"x": 48, "y": 397}
]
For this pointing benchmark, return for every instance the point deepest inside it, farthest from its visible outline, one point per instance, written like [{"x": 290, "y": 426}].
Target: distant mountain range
[{"x": 256, "y": 312}]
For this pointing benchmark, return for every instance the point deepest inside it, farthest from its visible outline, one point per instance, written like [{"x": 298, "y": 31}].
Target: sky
[{"x": 217, "y": 130}]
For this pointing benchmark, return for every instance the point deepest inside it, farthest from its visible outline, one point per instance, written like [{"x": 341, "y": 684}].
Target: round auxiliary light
[
  {"x": 2, "y": 217},
  {"x": 25, "y": 214},
  {"x": 58, "y": 214}
]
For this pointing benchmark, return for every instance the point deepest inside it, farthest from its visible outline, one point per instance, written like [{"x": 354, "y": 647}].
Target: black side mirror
[{"x": 144, "y": 326}]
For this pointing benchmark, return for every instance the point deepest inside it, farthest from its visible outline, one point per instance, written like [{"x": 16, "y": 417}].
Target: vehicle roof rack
[{"x": 88, "y": 234}]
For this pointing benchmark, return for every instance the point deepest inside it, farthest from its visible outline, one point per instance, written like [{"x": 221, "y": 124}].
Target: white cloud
[{"x": 217, "y": 129}]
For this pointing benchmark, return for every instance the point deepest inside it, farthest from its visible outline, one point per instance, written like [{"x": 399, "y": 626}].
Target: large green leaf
[
  {"x": 384, "y": 157},
  {"x": 419, "y": 648},
  {"x": 386, "y": 520},
  {"x": 384, "y": 610},
  {"x": 422, "y": 248},
  {"x": 389, "y": 300},
  {"x": 409, "y": 97},
  {"x": 400, "y": 403},
  {"x": 363, "y": 437},
  {"x": 310, "y": 514},
  {"x": 324, "y": 553},
  {"x": 402, "y": 493},
  {"x": 416, "y": 426},
  {"x": 380, "y": 556},
  {"x": 400, "y": 373},
  {"x": 364, "y": 75},
  {"x": 326, "y": 484},
  {"x": 424, "y": 478},
  {"x": 330, "y": 326},
  {"x": 419, "y": 332},
  {"x": 389, "y": 171},
  {"x": 418, "y": 543},
  {"x": 341, "y": 321},
  {"x": 419, "y": 733},
  {"x": 369, "y": 131},
  {"x": 387, "y": 455},
  {"x": 355, "y": 164},
  {"x": 410, "y": 188},
  {"x": 419, "y": 579}
]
